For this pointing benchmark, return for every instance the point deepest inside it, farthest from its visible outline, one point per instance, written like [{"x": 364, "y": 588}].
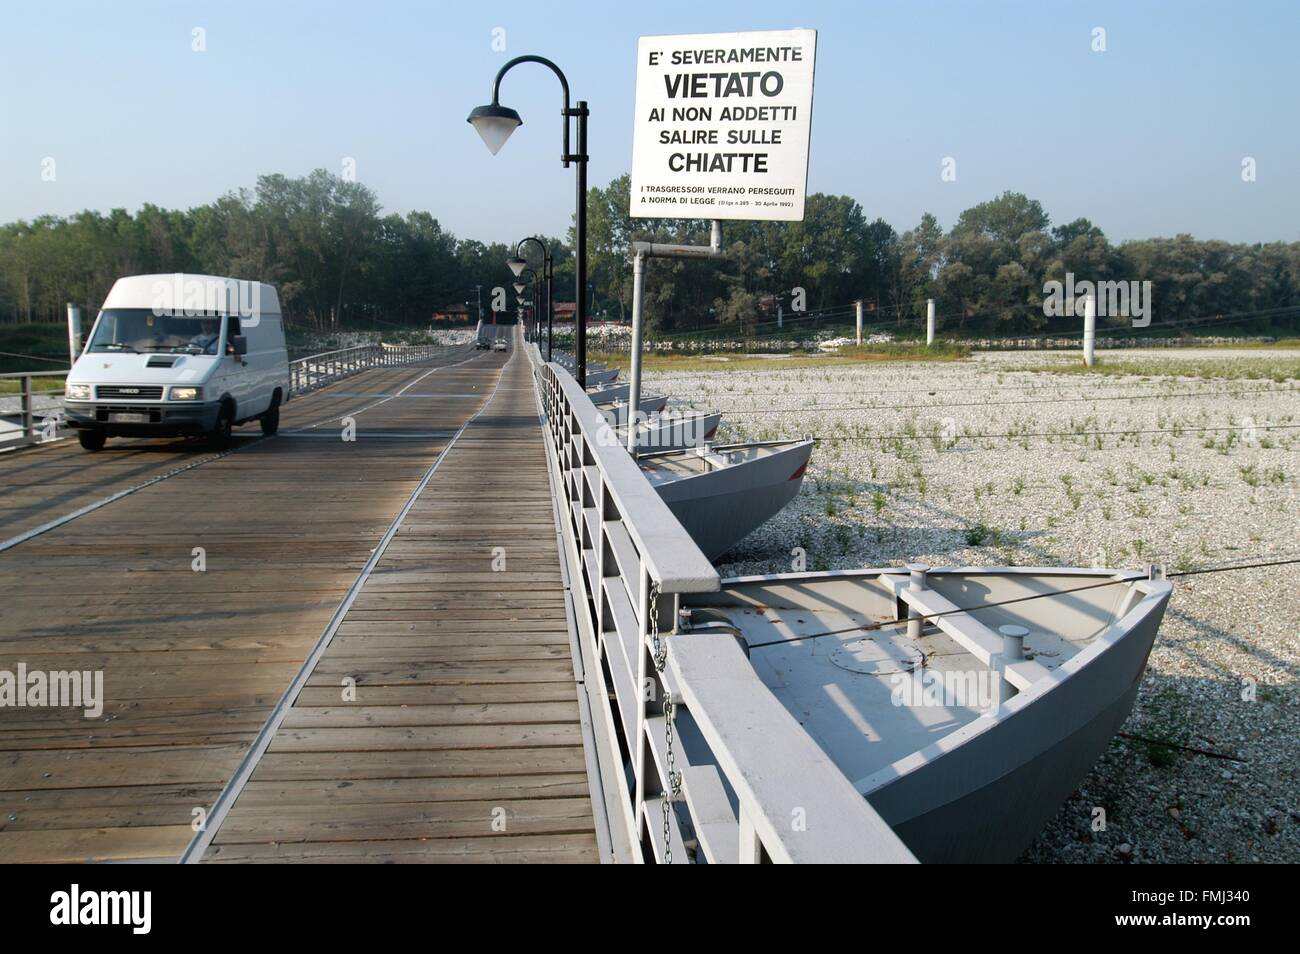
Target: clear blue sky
[{"x": 1145, "y": 139}]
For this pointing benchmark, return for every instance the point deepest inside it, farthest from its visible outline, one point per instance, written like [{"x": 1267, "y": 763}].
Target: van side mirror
[{"x": 240, "y": 344}]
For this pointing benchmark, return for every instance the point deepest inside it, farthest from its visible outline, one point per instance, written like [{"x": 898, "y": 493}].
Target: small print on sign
[{"x": 722, "y": 124}]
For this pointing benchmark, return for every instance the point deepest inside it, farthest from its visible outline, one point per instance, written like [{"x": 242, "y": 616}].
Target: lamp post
[
  {"x": 518, "y": 264},
  {"x": 519, "y": 292},
  {"x": 494, "y": 123}
]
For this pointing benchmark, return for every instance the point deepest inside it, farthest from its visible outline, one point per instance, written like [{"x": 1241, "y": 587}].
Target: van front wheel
[
  {"x": 92, "y": 440},
  {"x": 271, "y": 420},
  {"x": 225, "y": 422}
]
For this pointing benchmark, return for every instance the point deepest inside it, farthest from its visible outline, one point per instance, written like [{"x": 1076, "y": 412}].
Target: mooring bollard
[
  {"x": 917, "y": 582},
  {"x": 1089, "y": 329},
  {"x": 929, "y": 322},
  {"x": 1013, "y": 650}
]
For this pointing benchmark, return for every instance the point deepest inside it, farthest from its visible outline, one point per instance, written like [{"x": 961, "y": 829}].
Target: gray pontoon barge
[
  {"x": 968, "y": 733},
  {"x": 722, "y": 493},
  {"x": 672, "y": 429}
]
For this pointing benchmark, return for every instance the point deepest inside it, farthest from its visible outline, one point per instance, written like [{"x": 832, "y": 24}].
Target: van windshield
[{"x": 140, "y": 330}]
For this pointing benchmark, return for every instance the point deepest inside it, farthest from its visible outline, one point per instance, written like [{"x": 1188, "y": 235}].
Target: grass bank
[
  {"x": 11, "y": 386},
  {"x": 844, "y": 357}
]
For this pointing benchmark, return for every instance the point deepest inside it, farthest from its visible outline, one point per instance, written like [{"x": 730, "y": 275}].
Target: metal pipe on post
[
  {"x": 1089, "y": 330},
  {"x": 640, "y": 252},
  {"x": 857, "y": 310},
  {"x": 929, "y": 322},
  {"x": 634, "y": 388}
]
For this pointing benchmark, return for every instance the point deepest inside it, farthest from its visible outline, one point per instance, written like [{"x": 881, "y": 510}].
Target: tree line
[
  {"x": 987, "y": 273},
  {"x": 338, "y": 261},
  {"x": 321, "y": 239}
]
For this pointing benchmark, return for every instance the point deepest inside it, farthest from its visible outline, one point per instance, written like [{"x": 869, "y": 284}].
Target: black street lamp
[
  {"x": 517, "y": 265},
  {"x": 520, "y": 286},
  {"x": 494, "y": 123}
]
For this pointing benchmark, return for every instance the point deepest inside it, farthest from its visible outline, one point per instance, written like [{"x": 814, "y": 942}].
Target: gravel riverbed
[{"x": 1190, "y": 461}]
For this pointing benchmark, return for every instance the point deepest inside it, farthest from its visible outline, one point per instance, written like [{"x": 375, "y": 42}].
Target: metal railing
[
  {"x": 692, "y": 741},
  {"x": 317, "y": 370},
  {"x": 29, "y": 428},
  {"x": 28, "y": 425}
]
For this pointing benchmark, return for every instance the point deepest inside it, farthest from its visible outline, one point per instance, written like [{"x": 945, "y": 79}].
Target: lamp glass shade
[
  {"x": 517, "y": 265},
  {"x": 494, "y": 124}
]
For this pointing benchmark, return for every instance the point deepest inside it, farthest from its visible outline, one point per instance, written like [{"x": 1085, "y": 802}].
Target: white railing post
[
  {"x": 29, "y": 426},
  {"x": 74, "y": 333},
  {"x": 1089, "y": 329},
  {"x": 642, "y": 759},
  {"x": 929, "y": 322},
  {"x": 857, "y": 310}
]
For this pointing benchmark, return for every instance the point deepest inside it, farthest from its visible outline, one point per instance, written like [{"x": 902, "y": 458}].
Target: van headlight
[
  {"x": 186, "y": 394},
  {"x": 77, "y": 392}
]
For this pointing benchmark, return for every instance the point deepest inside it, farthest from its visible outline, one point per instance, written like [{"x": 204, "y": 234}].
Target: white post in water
[
  {"x": 929, "y": 322},
  {"x": 1089, "y": 329},
  {"x": 74, "y": 333},
  {"x": 858, "y": 306},
  {"x": 634, "y": 387}
]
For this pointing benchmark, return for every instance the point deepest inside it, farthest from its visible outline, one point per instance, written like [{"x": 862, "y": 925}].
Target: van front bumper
[{"x": 163, "y": 419}]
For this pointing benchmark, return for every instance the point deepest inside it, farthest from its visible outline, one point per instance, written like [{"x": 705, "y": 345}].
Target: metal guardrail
[
  {"x": 30, "y": 430},
  {"x": 740, "y": 762},
  {"x": 305, "y": 374},
  {"x": 317, "y": 370}
]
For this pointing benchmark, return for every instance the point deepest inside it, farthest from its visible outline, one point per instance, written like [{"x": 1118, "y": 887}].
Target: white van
[{"x": 180, "y": 355}]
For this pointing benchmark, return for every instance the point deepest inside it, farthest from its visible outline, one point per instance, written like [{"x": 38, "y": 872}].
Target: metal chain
[
  {"x": 674, "y": 782},
  {"x": 660, "y": 651}
]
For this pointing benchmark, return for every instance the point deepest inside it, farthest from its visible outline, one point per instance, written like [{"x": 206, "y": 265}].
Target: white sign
[{"x": 722, "y": 123}]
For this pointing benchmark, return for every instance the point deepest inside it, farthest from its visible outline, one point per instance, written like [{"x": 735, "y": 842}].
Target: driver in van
[{"x": 207, "y": 337}]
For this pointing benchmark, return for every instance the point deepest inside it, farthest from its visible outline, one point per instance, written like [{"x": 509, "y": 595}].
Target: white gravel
[{"x": 929, "y": 473}]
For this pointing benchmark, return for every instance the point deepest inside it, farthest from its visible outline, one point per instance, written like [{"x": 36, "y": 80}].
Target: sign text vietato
[{"x": 722, "y": 125}]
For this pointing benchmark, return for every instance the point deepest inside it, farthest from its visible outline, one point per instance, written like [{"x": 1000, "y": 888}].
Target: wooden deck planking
[
  {"x": 47, "y": 481},
  {"x": 193, "y": 662},
  {"x": 465, "y": 727}
]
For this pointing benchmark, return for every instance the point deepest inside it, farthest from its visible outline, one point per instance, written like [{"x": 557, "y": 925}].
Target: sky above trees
[{"x": 1145, "y": 138}]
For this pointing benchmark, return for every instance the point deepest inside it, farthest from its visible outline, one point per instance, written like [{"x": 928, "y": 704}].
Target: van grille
[{"x": 134, "y": 392}]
